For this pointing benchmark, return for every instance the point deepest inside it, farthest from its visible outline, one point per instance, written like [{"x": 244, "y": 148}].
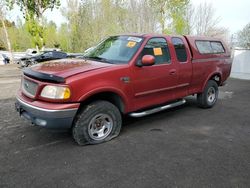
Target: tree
[
  {"x": 20, "y": 38},
  {"x": 89, "y": 21},
  {"x": 74, "y": 24},
  {"x": 171, "y": 15},
  {"x": 243, "y": 37},
  {"x": 33, "y": 11},
  {"x": 189, "y": 19},
  {"x": 205, "y": 22},
  {"x": 50, "y": 35},
  {"x": 64, "y": 37},
  {"x": 138, "y": 17},
  {"x": 201, "y": 20},
  {"x": 3, "y": 23}
]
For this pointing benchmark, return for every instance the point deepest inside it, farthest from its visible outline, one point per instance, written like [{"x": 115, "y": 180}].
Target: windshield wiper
[{"x": 98, "y": 59}]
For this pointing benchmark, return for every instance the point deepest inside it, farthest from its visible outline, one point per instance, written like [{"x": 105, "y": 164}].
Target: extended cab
[{"x": 127, "y": 74}]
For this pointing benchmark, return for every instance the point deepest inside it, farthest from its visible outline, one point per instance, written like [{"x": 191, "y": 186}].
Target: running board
[{"x": 157, "y": 109}]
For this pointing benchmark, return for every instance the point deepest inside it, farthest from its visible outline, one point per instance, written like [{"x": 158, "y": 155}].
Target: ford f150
[{"x": 135, "y": 75}]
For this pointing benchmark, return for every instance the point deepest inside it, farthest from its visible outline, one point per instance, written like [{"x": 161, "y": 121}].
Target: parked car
[
  {"x": 43, "y": 56},
  {"x": 4, "y": 59},
  {"x": 135, "y": 75}
]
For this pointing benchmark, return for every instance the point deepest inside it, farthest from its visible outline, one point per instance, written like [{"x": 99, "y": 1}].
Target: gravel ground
[
  {"x": 183, "y": 147},
  {"x": 9, "y": 81}
]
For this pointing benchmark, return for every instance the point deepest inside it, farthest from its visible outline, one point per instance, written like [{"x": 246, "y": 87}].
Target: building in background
[{"x": 241, "y": 63}]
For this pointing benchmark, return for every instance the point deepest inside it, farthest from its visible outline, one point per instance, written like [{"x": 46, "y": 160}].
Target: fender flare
[
  {"x": 209, "y": 78},
  {"x": 116, "y": 91}
]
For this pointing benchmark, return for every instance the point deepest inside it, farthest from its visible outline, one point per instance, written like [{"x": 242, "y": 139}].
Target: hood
[
  {"x": 68, "y": 67},
  {"x": 63, "y": 68}
]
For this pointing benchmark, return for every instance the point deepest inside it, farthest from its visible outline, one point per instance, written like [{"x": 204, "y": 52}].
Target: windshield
[{"x": 115, "y": 50}]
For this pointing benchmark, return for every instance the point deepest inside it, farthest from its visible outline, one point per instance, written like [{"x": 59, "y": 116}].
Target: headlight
[{"x": 55, "y": 92}]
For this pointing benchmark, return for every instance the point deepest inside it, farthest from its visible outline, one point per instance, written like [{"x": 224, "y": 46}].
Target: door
[
  {"x": 155, "y": 84},
  {"x": 183, "y": 60}
]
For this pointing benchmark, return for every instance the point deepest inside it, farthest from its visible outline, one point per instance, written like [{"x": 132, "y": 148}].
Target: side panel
[
  {"x": 109, "y": 80},
  {"x": 202, "y": 70}
]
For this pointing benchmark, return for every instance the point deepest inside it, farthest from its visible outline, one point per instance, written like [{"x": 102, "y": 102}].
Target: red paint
[
  {"x": 148, "y": 60},
  {"x": 68, "y": 67},
  {"x": 147, "y": 85}
]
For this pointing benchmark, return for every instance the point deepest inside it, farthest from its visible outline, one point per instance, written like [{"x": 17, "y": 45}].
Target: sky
[{"x": 233, "y": 15}]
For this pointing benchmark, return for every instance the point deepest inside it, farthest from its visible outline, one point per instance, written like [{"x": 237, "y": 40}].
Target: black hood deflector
[{"x": 43, "y": 76}]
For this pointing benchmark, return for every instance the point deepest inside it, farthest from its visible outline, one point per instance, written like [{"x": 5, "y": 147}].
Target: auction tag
[
  {"x": 157, "y": 51},
  {"x": 131, "y": 44},
  {"x": 135, "y": 39}
]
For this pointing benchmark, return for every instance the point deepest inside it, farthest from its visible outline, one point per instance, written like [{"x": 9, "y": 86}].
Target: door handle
[{"x": 172, "y": 72}]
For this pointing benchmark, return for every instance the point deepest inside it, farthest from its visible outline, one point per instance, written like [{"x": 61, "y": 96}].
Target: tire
[
  {"x": 209, "y": 96},
  {"x": 98, "y": 122}
]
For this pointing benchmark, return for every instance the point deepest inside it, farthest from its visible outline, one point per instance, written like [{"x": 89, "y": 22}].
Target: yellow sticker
[
  {"x": 131, "y": 44},
  {"x": 157, "y": 51}
]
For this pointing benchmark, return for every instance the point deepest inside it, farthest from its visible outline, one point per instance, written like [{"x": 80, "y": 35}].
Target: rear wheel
[
  {"x": 96, "y": 123},
  {"x": 209, "y": 96}
]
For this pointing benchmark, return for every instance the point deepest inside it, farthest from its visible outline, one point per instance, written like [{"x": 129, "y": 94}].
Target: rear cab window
[
  {"x": 180, "y": 49},
  {"x": 209, "y": 47},
  {"x": 217, "y": 47},
  {"x": 158, "y": 48}
]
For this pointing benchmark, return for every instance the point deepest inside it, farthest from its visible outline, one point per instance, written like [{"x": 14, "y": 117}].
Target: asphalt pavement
[{"x": 182, "y": 147}]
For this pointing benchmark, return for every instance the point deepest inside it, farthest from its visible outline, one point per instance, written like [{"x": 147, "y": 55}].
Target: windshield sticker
[
  {"x": 131, "y": 44},
  {"x": 157, "y": 51},
  {"x": 135, "y": 39}
]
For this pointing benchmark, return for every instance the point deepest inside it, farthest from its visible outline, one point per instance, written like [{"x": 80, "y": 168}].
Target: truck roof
[
  {"x": 190, "y": 37},
  {"x": 146, "y": 35},
  {"x": 200, "y": 37}
]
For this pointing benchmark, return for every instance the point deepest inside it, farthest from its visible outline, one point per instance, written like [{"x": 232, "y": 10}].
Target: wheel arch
[
  {"x": 114, "y": 96},
  {"x": 216, "y": 76}
]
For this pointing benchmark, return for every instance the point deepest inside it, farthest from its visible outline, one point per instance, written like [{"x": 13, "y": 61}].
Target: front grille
[{"x": 29, "y": 88}]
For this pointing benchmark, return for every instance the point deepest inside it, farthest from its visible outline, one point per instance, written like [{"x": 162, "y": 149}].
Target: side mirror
[{"x": 148, "y": 60}]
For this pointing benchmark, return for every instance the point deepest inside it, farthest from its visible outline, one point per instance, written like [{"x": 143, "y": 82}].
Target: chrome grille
[{"x": 29, "y": 88}]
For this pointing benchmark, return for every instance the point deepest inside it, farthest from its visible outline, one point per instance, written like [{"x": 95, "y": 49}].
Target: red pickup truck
[{"x": 127, "y": 74}]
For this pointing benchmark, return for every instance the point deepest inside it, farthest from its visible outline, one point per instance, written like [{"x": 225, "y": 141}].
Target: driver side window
[{"x": 158, "y": 48}]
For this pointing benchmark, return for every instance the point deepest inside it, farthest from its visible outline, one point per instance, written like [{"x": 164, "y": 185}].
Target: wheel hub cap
[
  {"x": 100, "y": 126},
  {"x": 211, "y": 95}
]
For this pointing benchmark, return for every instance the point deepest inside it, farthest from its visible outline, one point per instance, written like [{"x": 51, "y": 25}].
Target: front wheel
[
  {"x": 209, "y": 96},
  {"x": 96, "y": 123}
]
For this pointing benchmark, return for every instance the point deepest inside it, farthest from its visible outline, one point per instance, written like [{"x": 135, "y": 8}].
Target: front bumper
[{"x": 48, "y": 118}]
